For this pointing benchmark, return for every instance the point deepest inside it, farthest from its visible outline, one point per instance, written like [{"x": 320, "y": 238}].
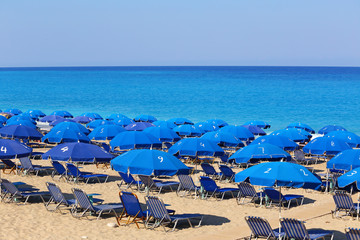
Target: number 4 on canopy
[{"x": 3, "y": 149}]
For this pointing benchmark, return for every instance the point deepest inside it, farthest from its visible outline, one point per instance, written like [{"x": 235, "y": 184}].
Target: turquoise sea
[{"x": 317, "y": 96}]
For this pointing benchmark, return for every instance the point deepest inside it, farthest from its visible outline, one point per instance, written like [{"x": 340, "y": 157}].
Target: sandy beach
[{"x": 222, "y": 219}]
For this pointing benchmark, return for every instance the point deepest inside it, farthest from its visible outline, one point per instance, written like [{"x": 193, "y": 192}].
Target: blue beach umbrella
[
  {"x": 64, "y": 114},
  {"x": 239, "y": 132},
  {"x": 206, "y": 127},
  {"x": 188, "y": 130},
  {"x": 164, "y": 124},
  {"x": 22, "y": 122},
  {"x": 149, "y": 162},
  {"x": 163, "y": 134},
  {"x": 96, "y": 123},
  {"x": 223, "y": 139},
  {"x": 138, "y": 126},
  {"x": 134, "y": 139},
  {"x": 50, "y": 118},
  {"x": 78, "y": 152},
  {"x": 277, "y": 140},
  {"x": 279, "y": 174},
  {"x": 145, "y": 118},
  {"x": 180, "y": 121},
  {"x": 35, "y": 113},
  {"x": 254, "y": 130},
  {"x": 123, "y": 121},
  {"x": 77, "y": 127},
  {"x": 351, "y": 177},
  {"x": 105, "y": 132},
  {"x": 295, "y": 134},
  {"x": 3, "y": 119},
  {"x": 13, "y": 149},
  {"x": 60, "y": 120},
  {"x": 350, "y": 138},
  {"x": 65, "y": 135},
  {"x": 195, "y": 147},
  {"x": 82, "y": 119},
  {"x": 260, "y": 124},
  {"x": 20, "y": 131},
  {"x": 13, "y": 111},
  {"x": 115, "y": 115},
  {"x": 345, "y": 160},
  {"x": 301, "y": 126},
  {"x": 20, "y": 118},
  {"x": 217, "y": 122},
  {"x": 92, "y": 115},
  {"x": 325, "y": 145},
  {"x": 331, "y": 128},
  {"x": 256, "y": 152}
]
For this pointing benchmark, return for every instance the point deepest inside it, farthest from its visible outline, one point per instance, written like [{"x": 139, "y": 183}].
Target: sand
[{"x": 222, "y": 219}]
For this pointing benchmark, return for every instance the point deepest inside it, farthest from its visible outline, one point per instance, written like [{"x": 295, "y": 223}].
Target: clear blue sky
[{"x": 186, "y": 32}]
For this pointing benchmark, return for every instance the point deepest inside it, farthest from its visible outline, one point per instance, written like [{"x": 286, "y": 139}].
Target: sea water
[{"x": 317, "y": 96}]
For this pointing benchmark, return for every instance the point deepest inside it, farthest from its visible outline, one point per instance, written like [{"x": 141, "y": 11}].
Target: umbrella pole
[
  {"x": 280, "y": 213},
  {"x": 357, "y": 216}
]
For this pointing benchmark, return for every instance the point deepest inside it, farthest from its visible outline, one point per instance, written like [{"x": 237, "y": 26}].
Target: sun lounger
[
  {"x": 295, "y": 229},
  {"x": 343, "y": 202},
  {"x": 275, "y": 196},
  {"x": 76, "y": 174},
  {"x": 352, "y": 233},
  {"x": 300, "y": 157},
  {"x": 151, "y": 184},
  {"x": 248, "y": 191},
  {"x": 210, "y": 171},
  {"x": 10, "y": 165},
  {"x": 132, "y": 210},
  {"x": 212, "y": 190},
  {"x": 28, "y": 167},
  {"x": 59, "y": 169},
  {"x": 129, "y": 181},
  {"x": 260, "y": 228},
  {"x": 227, "y": 173},
  {"x": 187, "y": 185}
]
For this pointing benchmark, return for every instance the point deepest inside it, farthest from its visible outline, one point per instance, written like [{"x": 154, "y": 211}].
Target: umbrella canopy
[
  {"x": 97, "y": 123},
  {"x": 115, "y": 115},
  {"x": 259, "y": 151},
  {"x": 77, "y": 127},
  {"x": 164, "y": 124},
  {"x": 163, "y": 134},
  {"x": 206, "y": 127},
  {"x": 50, "y": 118},
  {"x": 255, "y": 130},
  {"x": 60, "y": 120},
  {"x": 279, "y": 174},
  {"x": 35, "y": 113},
  {"x": 325, "y": 145},
  {"x": 2, "y": 119},
  {"x": 22, "y": 122},
  {"x": 105, "y": 132},
  {"x": 78, "y": 152},
  {"x": 180, "y": 121},
  {"x": 92, "y": 115},
  {"x": 138, "y": 126},
  {"x": 345, "y": 160},
  {"x": 349, "y": 178},
  {"x": 65, "y": 135},
  {"x": 82, "y": 119},
  {"x": 295, "y": 134},
  {"x": 13, "y": 149},
  {"x": 20, "y": 118},
  {"x": 20, "y": 131},
  {"x": 187, "y": 130},
  {"x": 217, "y": 122},
  {"x": 301, "y": 126},
  {"x": 350, "y": 138},
  {"x": 239, "y": 132},
  {"x": 331, "y": 128},
  {"x": 277, "y": 140},
  {"x": 145, "y": 118},
  {"x": 149, "y": 162},
  {"x": 64, "y": 114},
  {"x": 134, "y": 139},
  {"x": 123, "y": 121},
  {"x": 13, "y": 111},
  {"x": 223, "y": 139},
  {"x": 260, "y": 124},
  {"x": 196, "y": 147}
]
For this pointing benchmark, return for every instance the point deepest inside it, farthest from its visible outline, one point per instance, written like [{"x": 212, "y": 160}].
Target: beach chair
[
  {"x": 28, "y": 167},
  {"x": 227, "y": 173},
  {"x": 187, "y": 185},
  {"x": 11, "y": 166},
  {"x": 344, "y": 202},
  {"x": 260, "y": 228},
  {"x": 151, "y": 184},
  {"x": 248, "y": 191},
  {"x": 59, "y": 169},
  {"x": 84, "y": 205},
  {"x": 23, "y": 187},
  {"x": 129, "y": 181},
  {"x": 352, "y": 233},
  {"x": 295, "y": 229},
  {"x": 76, "y": 174},
  {"x": 162, "y": 217},
  {"x": 275, "y": 196},
  {"x": 210, "y": 171},
  {"x": 212, "y": 190},
  {"x": 58, "y": 198},
  {"x": 300, "y": 157},
  {"x": 12, "y": 192}
]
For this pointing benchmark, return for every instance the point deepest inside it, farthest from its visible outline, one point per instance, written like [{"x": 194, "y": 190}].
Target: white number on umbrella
[
  {"x": 64, "y": 149},
  {"x": 268, "y": 170},
  {"x": 305, "y": 174},
  {"x": 161, "y": 158},
  {"x": 3, "y": 149},
  {"x": 353, "y": 173},
  {"x": 202, "y": 144}
]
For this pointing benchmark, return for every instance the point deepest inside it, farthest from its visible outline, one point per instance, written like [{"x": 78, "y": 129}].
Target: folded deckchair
[
  {"x": 187, "y": 185},
  {"x": 129, "y": 181},
  {"x": 161, "y": 215},
  {"x": 76, "y": 174},
  {"x": 10, "y": 165},
  {"x": 275, "y": 196},
  {"x": 84, "y": 205},
  {"x": 132, "y": 210},
  {"x": 212, "y": 189},
  {"x": 28, "y": 167},
  {"x": 248, "y": 191},
  {"x": 343, "y": 202},
  {"x": 352, "y": 233},
  {"x": 151, "y": 184},
  {"x": 260, "y": 228},
  {"x": 295, "y": 229}
]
